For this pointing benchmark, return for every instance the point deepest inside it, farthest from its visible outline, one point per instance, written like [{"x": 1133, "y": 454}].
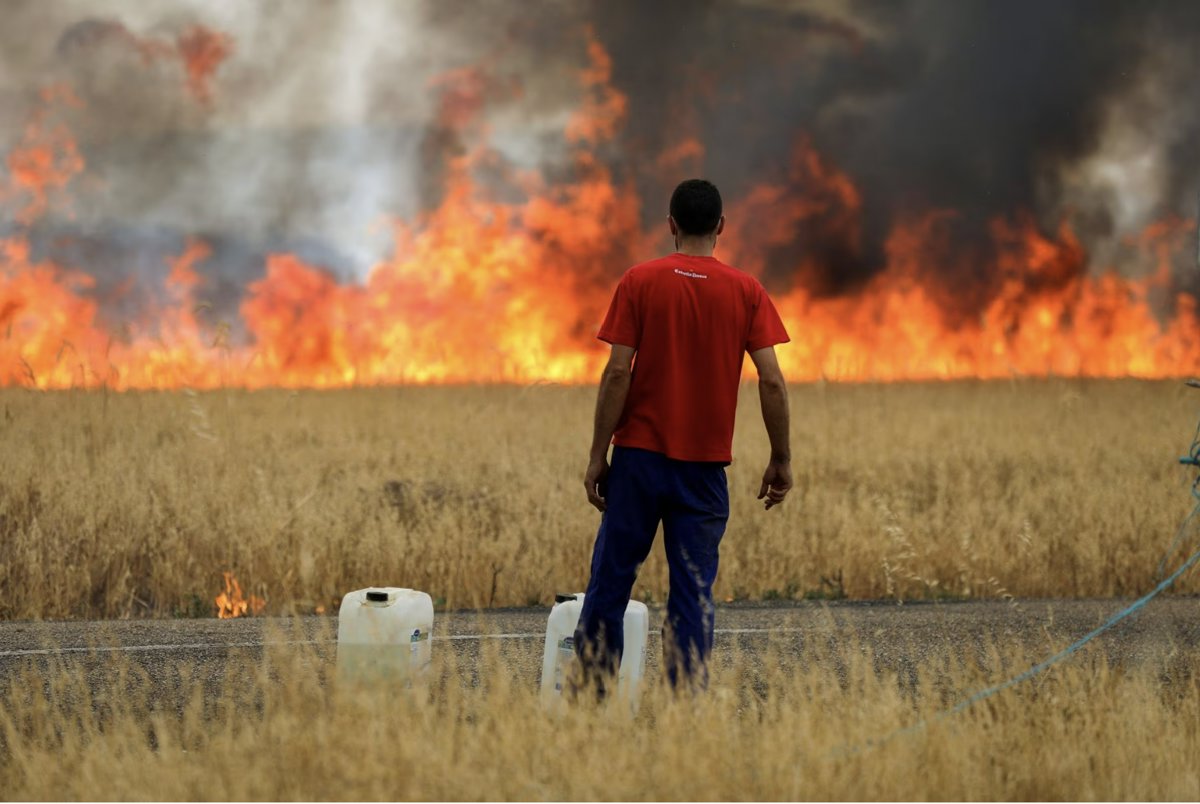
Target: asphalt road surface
[{"x": 900, "y": 637}]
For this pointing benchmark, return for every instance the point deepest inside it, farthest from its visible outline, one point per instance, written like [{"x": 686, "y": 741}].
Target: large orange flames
[{"x": 484, "y": 290}]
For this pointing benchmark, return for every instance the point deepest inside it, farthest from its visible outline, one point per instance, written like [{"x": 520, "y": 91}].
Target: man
[{"x": 679, "y": 328}]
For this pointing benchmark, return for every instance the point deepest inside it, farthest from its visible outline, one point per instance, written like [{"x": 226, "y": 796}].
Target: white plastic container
[
  {"x": 560, "y": 649},
  {"x": 384, "y": 634}
]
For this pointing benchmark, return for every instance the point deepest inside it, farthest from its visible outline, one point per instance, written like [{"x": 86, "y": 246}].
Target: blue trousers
[{"x": 691, "y": 499}]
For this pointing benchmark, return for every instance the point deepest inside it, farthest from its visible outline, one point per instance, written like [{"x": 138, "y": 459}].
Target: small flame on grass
[{"x": 231, "y": 603}]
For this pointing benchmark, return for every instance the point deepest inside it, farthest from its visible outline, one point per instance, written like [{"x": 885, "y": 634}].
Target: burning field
[
  {"x": 457, "y": 213},
  {"x": 298, "y": 298},
  {"x": 467, "y": 224}
]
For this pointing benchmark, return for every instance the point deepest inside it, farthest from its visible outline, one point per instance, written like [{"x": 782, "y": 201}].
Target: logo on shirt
[{"x": 691, "y": 274}]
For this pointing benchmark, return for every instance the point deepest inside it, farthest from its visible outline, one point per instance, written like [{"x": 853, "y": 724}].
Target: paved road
[{"x": 900, "y": 637}]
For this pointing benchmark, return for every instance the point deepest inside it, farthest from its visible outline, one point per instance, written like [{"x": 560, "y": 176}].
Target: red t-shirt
[{"x": 691, "y": 320}]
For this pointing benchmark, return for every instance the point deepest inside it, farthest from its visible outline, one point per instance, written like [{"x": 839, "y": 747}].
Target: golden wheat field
[
  {"x": 824, "y": 724},
  {"x": 135, "y": 504}
]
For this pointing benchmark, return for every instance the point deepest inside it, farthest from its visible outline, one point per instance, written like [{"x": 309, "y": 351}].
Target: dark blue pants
[{"x": 691, "y": 499}]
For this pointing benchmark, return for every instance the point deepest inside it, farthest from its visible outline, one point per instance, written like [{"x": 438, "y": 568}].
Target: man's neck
[{"x": 696, "y": 247}]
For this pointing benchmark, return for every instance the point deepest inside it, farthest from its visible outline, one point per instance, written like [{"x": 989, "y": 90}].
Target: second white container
[{"x": 560, "y": 649}]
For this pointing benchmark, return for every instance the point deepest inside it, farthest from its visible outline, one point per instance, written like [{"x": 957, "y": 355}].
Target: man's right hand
[
  {"x": 594, "y": 480},
  {"x": 776, "y": 483}
]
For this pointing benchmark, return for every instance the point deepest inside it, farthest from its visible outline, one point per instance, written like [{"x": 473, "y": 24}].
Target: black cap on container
[
  {"x": 561, "y": 598},
  {"x": 377, "y": 597}
]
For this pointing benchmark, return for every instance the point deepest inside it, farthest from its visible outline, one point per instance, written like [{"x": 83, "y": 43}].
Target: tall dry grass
[
  {"x": 772, "y": 726},
  {"x": 133, "y": 504}
]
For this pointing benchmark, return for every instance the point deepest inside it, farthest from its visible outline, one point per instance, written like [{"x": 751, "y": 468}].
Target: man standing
[{"x": 689, "y": 320}]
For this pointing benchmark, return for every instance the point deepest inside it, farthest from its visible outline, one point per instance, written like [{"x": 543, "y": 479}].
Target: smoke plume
[{"x": 306, "y": 126}]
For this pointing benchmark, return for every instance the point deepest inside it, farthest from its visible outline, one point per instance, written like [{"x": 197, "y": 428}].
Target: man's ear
[
  {"x": 674, "y": 226},
  {"x": 720, "y": 225}
]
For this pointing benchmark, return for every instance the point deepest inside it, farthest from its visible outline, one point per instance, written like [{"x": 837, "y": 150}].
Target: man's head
[{"x": 696, "y": 210}]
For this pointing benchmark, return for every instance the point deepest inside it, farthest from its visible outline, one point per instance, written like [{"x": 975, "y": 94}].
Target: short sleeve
[
  {"x": 622, "y": 325},
  {"x": 766, "y": 327}
]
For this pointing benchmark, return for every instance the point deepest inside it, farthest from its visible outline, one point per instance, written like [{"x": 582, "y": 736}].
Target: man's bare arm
[
  {"x": 772, "y": 396},
  {"x": 610, "y": 404}
]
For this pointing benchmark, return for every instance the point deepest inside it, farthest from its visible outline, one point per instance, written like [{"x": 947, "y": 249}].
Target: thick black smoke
[{"x": 986, "y": 108}]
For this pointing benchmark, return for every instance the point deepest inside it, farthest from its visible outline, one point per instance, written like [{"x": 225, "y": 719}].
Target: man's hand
[
  {"x": 776, "y": 483},
  {"x": 772, "y": 395},
  {"x": 610, "y": 404},
  {"x": 594, "y": 479}
]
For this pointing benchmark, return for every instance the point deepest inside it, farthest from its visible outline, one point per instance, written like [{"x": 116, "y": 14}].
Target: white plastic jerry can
[
  {"x": 384, "y": 634},
  {"x": 560, "y": 649}
]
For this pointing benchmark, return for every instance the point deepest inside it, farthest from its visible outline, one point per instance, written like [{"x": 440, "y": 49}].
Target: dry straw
[
  {"x": 135, "y": 504},
  {"x": 774, "y": 725}
]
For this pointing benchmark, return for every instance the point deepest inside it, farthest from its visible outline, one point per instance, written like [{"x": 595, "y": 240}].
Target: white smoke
[
  {"x": 314, "y": 135},
  {"x": 1131, "y": 178}
]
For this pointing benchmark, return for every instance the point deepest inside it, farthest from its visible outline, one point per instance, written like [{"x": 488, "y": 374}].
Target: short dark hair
[{"x": 696, "y": 207}]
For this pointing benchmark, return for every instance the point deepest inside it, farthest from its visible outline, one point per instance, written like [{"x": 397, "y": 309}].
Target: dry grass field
[
  {"x": 132, "y": 505},
  {"x": 771, "y": 727}
]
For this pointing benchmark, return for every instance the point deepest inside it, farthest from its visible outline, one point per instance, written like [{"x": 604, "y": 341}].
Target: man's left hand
[{"x": 594, "y": 479}]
